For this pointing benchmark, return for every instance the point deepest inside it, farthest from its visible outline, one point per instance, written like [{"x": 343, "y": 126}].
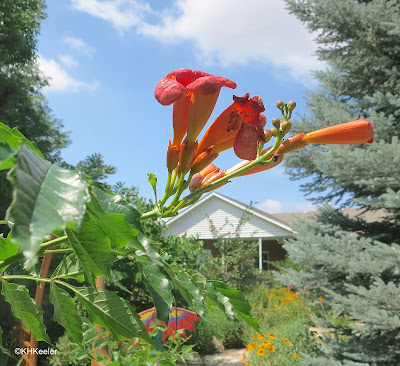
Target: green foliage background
[{"x": 353, "y": 262}]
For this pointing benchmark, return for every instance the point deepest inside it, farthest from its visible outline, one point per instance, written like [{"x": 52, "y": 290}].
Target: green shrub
[{"x": 219, "y": 329}]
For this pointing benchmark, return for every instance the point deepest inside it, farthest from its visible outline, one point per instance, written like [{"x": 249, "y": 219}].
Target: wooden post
[
  {"x": 99, "y": 281},
  {"x": 260, "y": 256}
]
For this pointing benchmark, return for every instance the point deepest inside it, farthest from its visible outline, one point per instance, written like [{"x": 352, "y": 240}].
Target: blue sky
[{"x": 105, "y": 58}]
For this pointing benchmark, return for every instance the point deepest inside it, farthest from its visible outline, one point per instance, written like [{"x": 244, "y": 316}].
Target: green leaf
[
  {"x": 114, "y": 225},
  {"x": 7, "y": 249},
  {"x": 45, "y": 197},
  {"x": 6, "y": 156},
  {"x": 66, "y": 314},
  {"x": 107, "y": 309},
  {"x": 15, "y": 139},
  {"x": 153, "y": 182},
  {"x": 233, "y": 301},
  {"x": 69, "y": 267},
  {"x": 189, "y": 290},
  {"x": 92, "y": 248},
  {"x": 26, "y": 309},
  {"x": 114, "y": 203},
  {"x": 159, "y": 286}
]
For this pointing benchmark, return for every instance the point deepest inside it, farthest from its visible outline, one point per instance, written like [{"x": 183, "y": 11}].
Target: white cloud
[
  {"x": 68, "y": 61},
  {"x": 224, "y": 31},
  {"x": 60, "y": 80},
  {"x": 79, "y": 45},
  {"x": 122, "y": 14},
  {"x": 272, "y": 206}
]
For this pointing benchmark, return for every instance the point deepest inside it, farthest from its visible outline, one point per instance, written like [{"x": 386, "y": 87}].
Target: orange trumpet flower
[
  {"x": 239, "y": 126},
  {"x": 354, "y": 132}
]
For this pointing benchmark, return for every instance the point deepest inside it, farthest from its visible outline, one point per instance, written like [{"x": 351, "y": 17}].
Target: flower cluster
[
  {"x": 193, "y": 95},
  {"x": 265, "y": 344}
]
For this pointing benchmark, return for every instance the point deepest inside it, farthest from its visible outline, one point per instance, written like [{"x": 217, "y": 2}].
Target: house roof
[{"x": 221, "y": 208}]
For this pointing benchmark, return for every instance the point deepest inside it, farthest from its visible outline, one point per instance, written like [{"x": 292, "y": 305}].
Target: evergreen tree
[{"x": 353, "y": 263}]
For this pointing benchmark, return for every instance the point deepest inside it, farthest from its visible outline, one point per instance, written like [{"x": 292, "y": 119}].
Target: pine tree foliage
[{"x": 352, "y": 262}]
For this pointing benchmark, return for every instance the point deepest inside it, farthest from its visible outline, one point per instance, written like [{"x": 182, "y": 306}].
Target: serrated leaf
[
  {"x": 6, "y": 156},
  {"x": 188, "y": 289},
  {"x": 7, "y": 249},
  {"x": 114, "y": 203},
  {"x": 233, "y": 301},
  {"x": 45, "y": 197},
  {"x": 66, "y": 314},
  {"x": 92, "y": 248},
  {"x": 15, "y": 139},
  {"x": 107, "y": 309},
  {"x": 69, "y": 267},
  {"x": 114, "y": 225},
  {"x": 159, "y": 286},
  {"x": 26, "y": 309}
]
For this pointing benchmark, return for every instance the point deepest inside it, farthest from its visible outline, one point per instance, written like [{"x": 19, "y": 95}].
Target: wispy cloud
[
  {"x": 122, "y": 14},
  {"x": 68, "y": 61},
  {"x": 60, "y": 80},
  {"x": 272, "y": 206},
  {"x": 79, "y": 45}
]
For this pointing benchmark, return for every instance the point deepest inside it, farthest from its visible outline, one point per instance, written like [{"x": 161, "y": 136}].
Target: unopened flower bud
[
  {"x": 186, "y": 156},
  {"x": 172, "y": 157},
  {"x": 268, "y": 135},
  {"x": 291, "y": 105},
  {"x": 280, "y": 104},
  {"x": 202, "y": 160},
  {"x": 286, "y": 126},
  {"x": 276, "y": 122},
  {"x": 291, "y": 144},
  {"x": 274, "y": 131},
  {"x": 195, "y": 182},
  {"x": 212, "y": 177}
]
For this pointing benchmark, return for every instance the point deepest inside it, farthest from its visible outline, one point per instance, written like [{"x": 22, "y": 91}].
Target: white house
[{"x": 225, "y": 214}]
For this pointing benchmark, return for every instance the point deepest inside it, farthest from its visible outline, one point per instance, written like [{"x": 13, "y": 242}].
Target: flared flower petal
[
  {"x": 354, "y": 132},
  {"x": 240, "y": 126}
]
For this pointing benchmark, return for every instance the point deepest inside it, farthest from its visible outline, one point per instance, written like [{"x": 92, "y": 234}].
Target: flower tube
[{"x": 354, "y": 132}]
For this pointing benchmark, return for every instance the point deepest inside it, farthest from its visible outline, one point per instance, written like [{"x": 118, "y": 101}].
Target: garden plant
[{"x": 56, "y": 212}]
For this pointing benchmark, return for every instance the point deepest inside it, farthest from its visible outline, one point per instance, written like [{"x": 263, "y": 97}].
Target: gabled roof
[{"x": 185, "y": 219}]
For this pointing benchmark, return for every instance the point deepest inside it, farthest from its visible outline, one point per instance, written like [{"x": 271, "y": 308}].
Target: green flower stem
[
  {"x": 168, "y": 190},
  {"x": 18, "y": 256},
  {"x": 257, "y": 161},
  {"x": 25, "y": 277},
  {"x": 57, "y": 251}
]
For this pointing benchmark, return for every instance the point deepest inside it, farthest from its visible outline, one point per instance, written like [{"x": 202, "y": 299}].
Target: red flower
[
  {"x": 240, "y": 125},
  {"x": 193, "y": 94},
  {"x": 354, "y": 132}
]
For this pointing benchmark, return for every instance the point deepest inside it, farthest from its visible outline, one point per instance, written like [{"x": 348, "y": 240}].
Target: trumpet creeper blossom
[
  {"x": 239, "y": 126},
  {"x": 193, "y": 95}
]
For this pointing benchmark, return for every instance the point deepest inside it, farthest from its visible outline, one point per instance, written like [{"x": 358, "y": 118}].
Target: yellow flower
[
  {"x": 261, "y": 351},
  {"x": 285, "y": 340},
  {"x": 296, "y": 356},
  {"x": 321, "y": 298},
  {"x": 273, "y": 336},
  {"x": 271, "y": 349},
  {"x": 249, "y": 347},
  {"x": 247, "y": 364},
  {"x": 266, "y": 344},
  {"x": 260, "y": 336},
  {"x": 254, "y": 335}
]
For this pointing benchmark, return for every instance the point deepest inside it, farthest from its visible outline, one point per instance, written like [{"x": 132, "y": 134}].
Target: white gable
[{"x": 225, "y": 215}]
